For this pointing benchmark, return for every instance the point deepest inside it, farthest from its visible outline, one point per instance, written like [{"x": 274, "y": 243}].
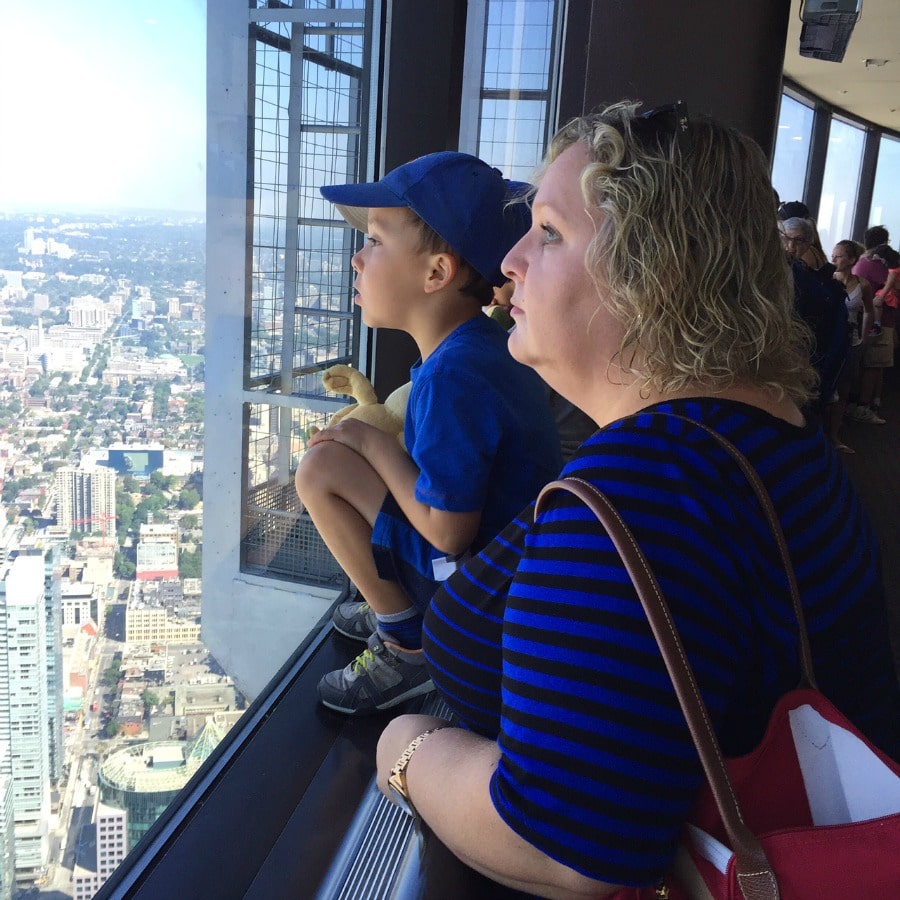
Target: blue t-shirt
[
  {"x": 541, "y": 642},
  {"x": 480, "y": 429}
]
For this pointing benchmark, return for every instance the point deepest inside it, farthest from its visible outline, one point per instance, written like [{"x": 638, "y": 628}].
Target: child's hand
[{"x": 354, "y": 434}]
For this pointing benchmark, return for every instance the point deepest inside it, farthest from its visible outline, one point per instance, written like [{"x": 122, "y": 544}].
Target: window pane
[
  {"x": 306, "y": 134},
  {"x": 102, "y": 250},
  {"x": 307, "y": 131},
  {"x": 792, "y": 149},
  {"x": 885, "y": 208},
  {"x": 517, "y": 45},
  {"x": 517, "y": 83},
  {"x": 841, "y": 182},
  {"x": 279, "y": 538},
  {"x": 512, "y": 135}
]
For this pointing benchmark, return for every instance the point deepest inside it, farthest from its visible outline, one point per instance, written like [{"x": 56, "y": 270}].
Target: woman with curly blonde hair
[
  {"x": 651, "y": 291},
  {"x": 687, "y": 257}
]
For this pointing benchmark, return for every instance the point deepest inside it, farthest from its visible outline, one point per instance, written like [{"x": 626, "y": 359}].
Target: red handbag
[{"x": 813, "y": 813}]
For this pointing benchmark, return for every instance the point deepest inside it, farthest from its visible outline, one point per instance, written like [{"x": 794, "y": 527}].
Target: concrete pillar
[{"x": 723, "y": 59}]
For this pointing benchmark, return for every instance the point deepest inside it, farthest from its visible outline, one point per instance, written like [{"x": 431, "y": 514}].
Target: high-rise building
[
  {"x": 89, "y": 311},
  {"x": 86, "y": 499},
  {"x": 24, "y": 713},
  {"x": 7, "y": 828},
  {"x": 102, "y": 846},
  {"x": 50, "y": 554},
  {"x": 157, "y": 552}
]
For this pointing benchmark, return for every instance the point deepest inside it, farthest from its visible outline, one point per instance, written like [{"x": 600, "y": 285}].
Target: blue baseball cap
[{"x": 466, "y": 201}]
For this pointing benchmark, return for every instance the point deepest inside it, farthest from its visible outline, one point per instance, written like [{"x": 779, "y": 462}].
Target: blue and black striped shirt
[{"x": 541, "y": 642}]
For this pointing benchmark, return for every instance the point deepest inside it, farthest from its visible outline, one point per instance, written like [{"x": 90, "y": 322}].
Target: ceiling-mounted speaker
[{"x": 827, "y": 26}]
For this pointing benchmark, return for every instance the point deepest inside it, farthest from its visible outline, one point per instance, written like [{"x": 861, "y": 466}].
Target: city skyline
[
  {"x": 101, "y": 442},
  {"x": 103, "y": 105}
]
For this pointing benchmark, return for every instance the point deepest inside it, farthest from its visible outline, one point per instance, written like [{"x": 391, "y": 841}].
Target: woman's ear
[{"x": 442, "y": 271}]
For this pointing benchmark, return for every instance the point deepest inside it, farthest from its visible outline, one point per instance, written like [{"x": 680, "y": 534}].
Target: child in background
[
  {"x": 889, "y": 292},
  {"x": 573, "y": 426},
  {"x": 878, "y": 354},
  {"x": 861, "y": 316},
  {"x": 479, "y": 432}
]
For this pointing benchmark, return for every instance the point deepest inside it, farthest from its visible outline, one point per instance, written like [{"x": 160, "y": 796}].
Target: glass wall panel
[
  {"x": 885, "y": 209},
  {"x": 513, "y": 107},
  {"x": 512, "y": 135},
  {"x": 517, "y": 44},
  {"x": 279, "y": 539},
  {"x": 840, "y": 183},
  {"x": 103, "y": 292},
  {"x": 306, "y": 133},
  {"x": 307, "y": 97},
  {"x": 792, "y": 145}
]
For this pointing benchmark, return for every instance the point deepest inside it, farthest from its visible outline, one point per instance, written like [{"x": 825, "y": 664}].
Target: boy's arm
[{"x": 450, "y": 532}]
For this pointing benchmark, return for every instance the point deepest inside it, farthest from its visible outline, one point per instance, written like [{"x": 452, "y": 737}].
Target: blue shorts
[{"x": 400, "y": 554}]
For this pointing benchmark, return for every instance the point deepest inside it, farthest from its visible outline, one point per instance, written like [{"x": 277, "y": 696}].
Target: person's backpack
[{"x": 822, "y": 306}]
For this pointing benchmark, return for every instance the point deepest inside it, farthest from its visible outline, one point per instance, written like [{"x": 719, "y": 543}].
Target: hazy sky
[{"x": 102, "y": 104}]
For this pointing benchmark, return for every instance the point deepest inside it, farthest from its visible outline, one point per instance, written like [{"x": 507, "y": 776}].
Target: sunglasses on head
[{"x": 670, "y": 120}]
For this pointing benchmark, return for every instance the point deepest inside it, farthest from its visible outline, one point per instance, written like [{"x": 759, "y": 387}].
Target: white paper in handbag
[
  {"x": 710, "y": 848},
  {"x": 844, "y": 780}
]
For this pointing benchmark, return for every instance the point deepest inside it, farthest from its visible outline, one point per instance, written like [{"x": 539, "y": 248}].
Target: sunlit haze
[{"x": 102, "y": 105}]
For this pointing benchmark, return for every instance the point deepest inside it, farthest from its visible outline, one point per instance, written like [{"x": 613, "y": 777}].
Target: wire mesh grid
[
  {"x": 307, "y": 102},
  {"x": 278, "y": 537},
  {"x": 306, "y": 133},
  {"x": 310, "y": 4},
  {"x": 516, "y": 83}
]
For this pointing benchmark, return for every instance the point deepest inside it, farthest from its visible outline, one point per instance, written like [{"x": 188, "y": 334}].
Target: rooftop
[{"x": 158, "y": 766}]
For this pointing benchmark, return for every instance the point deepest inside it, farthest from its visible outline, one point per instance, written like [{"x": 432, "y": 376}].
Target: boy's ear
[{"x": 442, "y": 271}]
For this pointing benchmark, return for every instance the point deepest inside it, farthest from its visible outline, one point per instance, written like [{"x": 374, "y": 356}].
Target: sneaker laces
[{"x": 362, "y": 662}]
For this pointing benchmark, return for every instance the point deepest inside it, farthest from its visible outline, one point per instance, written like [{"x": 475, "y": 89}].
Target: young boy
[{"x": 479, "y": 433}]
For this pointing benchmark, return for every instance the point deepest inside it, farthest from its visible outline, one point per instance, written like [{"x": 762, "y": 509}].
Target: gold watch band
[{"x": 397, "y": 778}]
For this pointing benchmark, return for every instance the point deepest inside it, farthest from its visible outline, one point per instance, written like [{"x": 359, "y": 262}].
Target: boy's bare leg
[{"x": 343, "y": 495}]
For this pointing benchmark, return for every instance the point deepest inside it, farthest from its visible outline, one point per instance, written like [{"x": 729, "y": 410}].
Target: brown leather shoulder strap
[{"x": 750, "y": 858}]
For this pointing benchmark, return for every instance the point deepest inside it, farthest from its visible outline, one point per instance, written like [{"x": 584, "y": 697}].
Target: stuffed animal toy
[
  {"x": 501, "y": 316},
  {"x": 388, "y": 416}
]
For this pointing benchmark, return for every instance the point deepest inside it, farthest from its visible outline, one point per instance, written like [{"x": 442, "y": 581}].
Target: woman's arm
[{"x": 448, "y": 778}]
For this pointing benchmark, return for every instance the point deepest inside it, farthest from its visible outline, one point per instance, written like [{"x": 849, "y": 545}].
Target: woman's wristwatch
[{"x": 397, "y": 779}]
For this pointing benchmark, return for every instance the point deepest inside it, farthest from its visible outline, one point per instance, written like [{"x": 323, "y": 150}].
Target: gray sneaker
[
  {"x": 355, "y": 619},
  {"x": 382, "y": 676},
  {"x": 864, "y": 414}
]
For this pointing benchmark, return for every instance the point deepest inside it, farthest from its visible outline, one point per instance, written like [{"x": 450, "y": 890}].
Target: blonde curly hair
[{"x": 687, "y": 254}]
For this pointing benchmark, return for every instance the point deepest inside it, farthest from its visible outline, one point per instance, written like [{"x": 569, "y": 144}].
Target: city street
[{"x": 76, "y": 801}]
